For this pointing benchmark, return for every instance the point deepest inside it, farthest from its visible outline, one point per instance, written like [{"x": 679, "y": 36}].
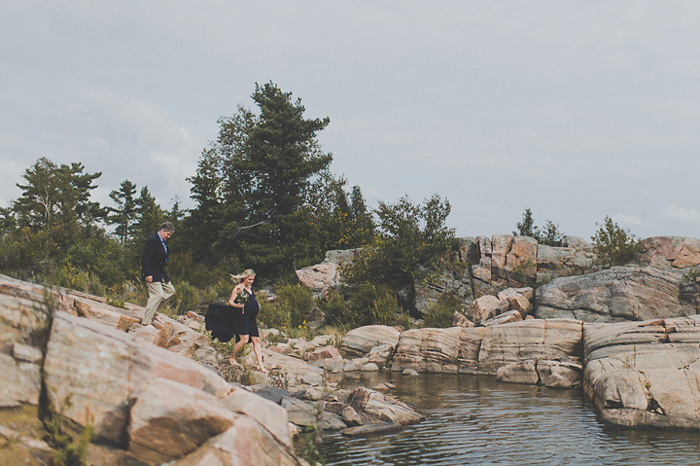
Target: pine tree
[
  {"x": 264, "y": 166},
  {"x": 124, "y": 214},
  {"x": 149, "y": 216},
  {"x": 56, "y": 200}
]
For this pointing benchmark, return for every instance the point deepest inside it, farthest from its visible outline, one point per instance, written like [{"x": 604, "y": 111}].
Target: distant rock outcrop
[
  {"x": 324, "y": 277},
  {"x": 481, "y": 266},
  {"x": 616, "y": 294},
  {"x": 669, "y": 251}
]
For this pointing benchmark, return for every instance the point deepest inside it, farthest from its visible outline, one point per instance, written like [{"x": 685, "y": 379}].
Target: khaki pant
[{"x": 158, "y": 294}]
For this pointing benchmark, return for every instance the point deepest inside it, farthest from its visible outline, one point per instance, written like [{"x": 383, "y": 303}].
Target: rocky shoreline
[{"x": 157, "y": 394}]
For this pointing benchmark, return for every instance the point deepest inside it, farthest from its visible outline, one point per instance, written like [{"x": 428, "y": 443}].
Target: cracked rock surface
[{"x": 645, "y": 373}]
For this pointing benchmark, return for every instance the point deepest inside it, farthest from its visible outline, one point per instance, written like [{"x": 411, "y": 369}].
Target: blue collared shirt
[{"x": 164, "y": 246}]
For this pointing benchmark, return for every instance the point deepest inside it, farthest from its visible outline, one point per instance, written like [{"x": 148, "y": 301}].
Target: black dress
[
  {"x": 247, "y": 325},
  {"x": 224, "y": 321}
]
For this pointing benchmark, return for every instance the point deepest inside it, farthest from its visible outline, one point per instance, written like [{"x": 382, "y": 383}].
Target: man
[{"x": 153, "y": 260}]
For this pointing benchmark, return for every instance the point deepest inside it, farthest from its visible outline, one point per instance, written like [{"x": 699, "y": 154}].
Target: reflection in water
[{"x": 476, "y": 420}]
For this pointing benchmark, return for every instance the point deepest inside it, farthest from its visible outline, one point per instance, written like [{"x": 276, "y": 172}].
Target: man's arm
[{"x": 146, "y": 268}]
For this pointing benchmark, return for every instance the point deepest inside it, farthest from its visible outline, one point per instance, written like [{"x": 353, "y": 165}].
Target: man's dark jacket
[{"x": 154, "y": 259}]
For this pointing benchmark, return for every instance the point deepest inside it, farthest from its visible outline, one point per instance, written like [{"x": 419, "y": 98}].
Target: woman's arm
[{"x": 231, "y": 300}]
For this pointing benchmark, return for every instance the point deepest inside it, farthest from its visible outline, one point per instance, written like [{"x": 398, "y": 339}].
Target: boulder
[
  {"x": 373, "y": 429},
  {"x": 21, "y": 382},
  {"x": 537, "y": 339},
  {"x": 323, "y": 340},
  {"x": 374, "y": 407},
  {"x": 518, "y": 372},
  {"x": 505, "y": 318},
  {"x": 269, "y": 415},
  {"x": 516, "y": 300},
  {"x": 560, "y": 374},
  {"x": 170, "y": 420},
  {"x": 554, "y": 261},
  {"x": 669, "y": 251},
  {"x": 513, "y": 260},
  {"x": 298, "y": 374},
  {"x": 242, "y": 444},
  {"x": 324, "y": 277},
  {"x": 324, "y": 352},
  {"x": 460, "y": 320},
  {"x": 645, "y": 373},
  {"x": 352, "y": 365},
  {"x": 428, "y": 350},
  {"x": 360, "y": 341},
  {"x": 380, "y": 355},
  {"x": 350, "y": 416},
  {"x": 549, "y": 373},
  {"x": 94, "y": 373},
  {"x": 300, "y": 412},
  {"x": 485, "y": 308},
  {"x": 614, "y": 295}
]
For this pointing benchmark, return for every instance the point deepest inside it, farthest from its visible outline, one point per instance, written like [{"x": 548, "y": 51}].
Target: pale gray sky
[{"x": 575, "y": 109}]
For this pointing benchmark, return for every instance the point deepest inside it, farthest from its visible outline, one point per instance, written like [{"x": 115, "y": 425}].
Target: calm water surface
[{"x": 476, "y": 420}]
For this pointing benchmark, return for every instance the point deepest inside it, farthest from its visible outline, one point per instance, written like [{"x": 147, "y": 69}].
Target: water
[{"x": 476, "y": 420}]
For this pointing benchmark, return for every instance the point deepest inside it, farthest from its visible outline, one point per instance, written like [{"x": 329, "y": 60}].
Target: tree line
[{"x": 264, "y": 198}]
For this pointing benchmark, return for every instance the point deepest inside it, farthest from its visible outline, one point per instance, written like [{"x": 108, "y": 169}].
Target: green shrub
[
  {"x": 297, "y": 300},
  {"x": 95, "y": 286},
  {"x": 69, "y": 441},
  {"x": 614, "y": 245},
  {"x": 273, "y": 316},
  {"x": 336, "y": 310},
  {"x": 290, "y": 309},
  {"x": 385, "y": 308},
  {"x": 186, "y": 299},
  {"x": 440, "y": 315},
  {"x": 218, "y": 290},
  {"x": 370, "y": 304},
  {"x": 70, "y": 277}
]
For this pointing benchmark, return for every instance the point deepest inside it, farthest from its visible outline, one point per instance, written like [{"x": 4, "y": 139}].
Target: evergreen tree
[
  {"x": 614, "y": 244},
  {"x": 412, "y": 238},
  {"x": 149, "y": 216},
  {"x": 56, "y": 200},
  {"x": 203, "y": 227},
  {"x": 124, "y": 214},
  {"x": 527, "y": 227},
  {"x": 268, "y": 162},
  {"x": 550, "y": 235},
  {"x": 363, "y": 224}
]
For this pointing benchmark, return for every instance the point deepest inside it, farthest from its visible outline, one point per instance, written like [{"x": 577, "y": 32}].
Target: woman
[{"x": 243, "y": 298}]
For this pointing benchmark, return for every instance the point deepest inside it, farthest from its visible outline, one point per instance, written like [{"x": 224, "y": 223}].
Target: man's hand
[{"x": 149, "y": 279}]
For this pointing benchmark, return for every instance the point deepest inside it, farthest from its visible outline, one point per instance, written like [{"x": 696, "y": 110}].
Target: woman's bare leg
[
  {"x": 258, "y": 353},
  {"x": 237, "y": 347}
]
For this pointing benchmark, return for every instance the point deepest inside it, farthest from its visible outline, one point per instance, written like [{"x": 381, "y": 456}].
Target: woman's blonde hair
[{"x": 242, "y": 276}]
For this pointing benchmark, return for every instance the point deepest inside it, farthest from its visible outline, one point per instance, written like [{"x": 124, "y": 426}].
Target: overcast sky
[{"x": 574, "y": 109}]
